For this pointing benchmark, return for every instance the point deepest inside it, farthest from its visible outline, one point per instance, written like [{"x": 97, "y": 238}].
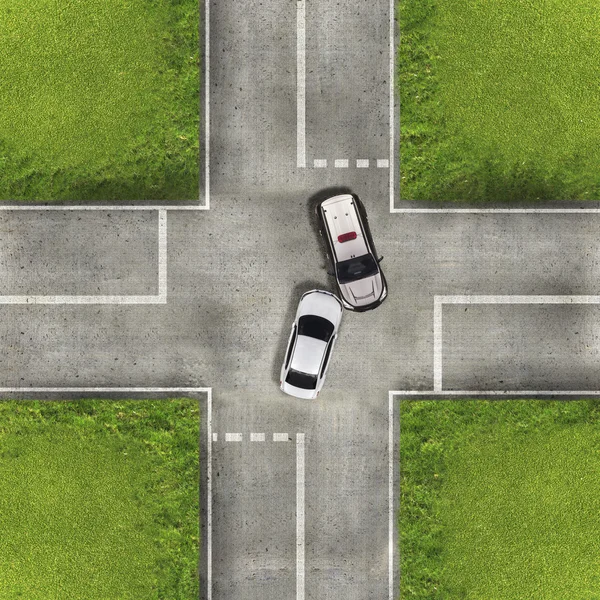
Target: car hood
[{"x": 363, "y": 291}]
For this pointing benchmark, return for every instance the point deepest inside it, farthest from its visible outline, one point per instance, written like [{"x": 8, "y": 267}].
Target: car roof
[
  {"x": 341, "y": 216},
  {"x": 308, "y": 355}
]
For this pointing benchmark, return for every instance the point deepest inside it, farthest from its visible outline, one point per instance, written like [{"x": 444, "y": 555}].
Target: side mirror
[{"x": 380, "y": 259}]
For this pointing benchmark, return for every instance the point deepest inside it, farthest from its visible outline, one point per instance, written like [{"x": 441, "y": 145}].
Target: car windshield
[
  {"x": 315, "y": 327},
  {"x": 356, "y": 268},
  {"x": 301, "y": 380}
]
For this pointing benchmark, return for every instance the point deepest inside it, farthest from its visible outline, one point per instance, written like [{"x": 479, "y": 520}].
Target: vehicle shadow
[{"x": 290, "y": 313}]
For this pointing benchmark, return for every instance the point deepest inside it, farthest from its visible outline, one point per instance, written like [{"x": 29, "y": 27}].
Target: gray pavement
[{"x": 235, "y": 275}]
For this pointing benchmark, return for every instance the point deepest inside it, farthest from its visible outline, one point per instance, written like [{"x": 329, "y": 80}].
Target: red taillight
[{"x": 346, "y": 237}]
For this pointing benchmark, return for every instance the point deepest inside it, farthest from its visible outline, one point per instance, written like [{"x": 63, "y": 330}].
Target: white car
[
  {"x": 360, "y": 280},
  {"x": 311, "y": 341}
]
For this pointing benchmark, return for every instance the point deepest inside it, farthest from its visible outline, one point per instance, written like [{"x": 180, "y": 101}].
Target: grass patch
[
  {"x": 499, "y": 100},
  {"x": 99, "y": 100},
  {"x": 99, "y": 499},
  {"x": 499, "y": 499}
]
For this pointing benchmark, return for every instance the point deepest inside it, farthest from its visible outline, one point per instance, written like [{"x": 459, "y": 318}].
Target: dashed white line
[
  {"x": 383, "y": 163},
  {"x": 233, "y": 437},
  {"x": 301, "y": 83},
  {"x": 215, "y": 437},
  {"x": 320, "y": 163},
  {"x": 341, "y": 163},
  {"x": 281, "y": 437},
  {"x": 162, "y": 255},
  {"x": 257, "y": 437},
  {"x": 362, "y": 163},
  {"x": 437, "y": 343},
  {"x": 299, "y": 516}
]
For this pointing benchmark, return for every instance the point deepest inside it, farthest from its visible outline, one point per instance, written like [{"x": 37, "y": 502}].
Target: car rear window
[
  {"x": 301, "y": 380},
  {"x": 315, "y": 327},
  {"x": 356, "y": 268}
]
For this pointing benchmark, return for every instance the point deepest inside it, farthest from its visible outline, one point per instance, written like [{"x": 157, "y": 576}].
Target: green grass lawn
[
  {"x": 500, "y": 500},
  {"x": 99, "y": 500},
  {"x": 499, "y": 100},
  {"x": 99, "y": 100}
]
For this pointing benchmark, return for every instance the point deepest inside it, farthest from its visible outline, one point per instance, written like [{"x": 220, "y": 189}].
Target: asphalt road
[{"x": 237, "y": 271}]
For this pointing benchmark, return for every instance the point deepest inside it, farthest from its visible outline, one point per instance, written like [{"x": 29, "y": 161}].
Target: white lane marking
[
  {"x": 133, "y": 390},
  {"x": 299, "y": 516},
  {"x": 162, "y": 255},
  {"x": 281, "y": 437},
  {"x": 233, "y": 437},
  {"x": 391, "y": 496},
  {"x": 320, "y": 163},
  {"x": 215, "y": 437},
  {"x": 483, "y": 211},
  {"x": 101, "y": 207},
  {"x": 209, "y": 500},
  {"x": 82, "y": 300},
  {"x": 383, "y": 163},
  {"x": 257, "y": 437},
  {"x": 207, "y": 110},
  {"x": 362, "y": 163},
  {"x": 341, "y": 163},
  {"x": 439, "y": 301},
  {"x": 301, "y": 83},
  {"x": 391, "y": 76},
  {"x": 437, "y": 343},
  {"x": 509, "y": 393},
  {"x": 507, "y": 299},
  {"x": 161, "y": 298}
]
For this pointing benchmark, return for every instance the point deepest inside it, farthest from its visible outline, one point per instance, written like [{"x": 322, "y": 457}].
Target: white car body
[
  {"x": 307, "y": 357},
  {"x": 348, "y": 241}
]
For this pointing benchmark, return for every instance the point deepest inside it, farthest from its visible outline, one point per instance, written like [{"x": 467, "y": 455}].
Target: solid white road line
[
  {"x": 300, "y": 516},
  {"x": 439, "y": 301},
  {"x": 233, "y": 437},
  {"x": 341, "y": 163},
  {"x": 162, "y": 255},
  {"x": 207, "y": 104},
  {"x": 257, "y": 437},
  {"x": 301, "y": 83},
  {"x": 362, "y": 163},
  {"x": 281, "y": 437},
  {"x": 100, "y": 207},
  {"x": 391, "y": 76},
  {"x": 133, "y": 390},
  {"x": 508, "y": 393},
  {"x": 391, "y": 496},
  {"x": 209, "y": 499},
  {"x": 320, "y": 163},
  {"x": 483, "y": 211},
  {"x": 508, "y": 299},
  {"x": 82, "y": 300},
  {"x": 437, "y": 343}
]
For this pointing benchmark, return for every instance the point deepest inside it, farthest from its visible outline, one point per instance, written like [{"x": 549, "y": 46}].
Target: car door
[{"x": 325, "y": 363}]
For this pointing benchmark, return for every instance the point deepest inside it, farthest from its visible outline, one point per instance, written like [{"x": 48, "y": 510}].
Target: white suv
[
  {"x": 311, "y": 341},
  {"x": 360, "y": 281}
]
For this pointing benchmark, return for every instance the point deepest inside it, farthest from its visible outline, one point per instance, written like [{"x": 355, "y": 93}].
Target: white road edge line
[
  {"x": 162, "y": 255},
  {"x": 207, "y": 104},
  {"x": 209, "y": 499},
  {"x": 391, "y": 495},
  {"x": 438, "y": 305},
  {"x": 437, "y": 343},
  {"x": 509, "y": 393},
  {"x": 483, "y": 211},
  {"x": 161, "y": 298},
  {"x": 300, "y": 516},
  {"x": 300, "y": 83},
  {"x": 392, "y": 125}
]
